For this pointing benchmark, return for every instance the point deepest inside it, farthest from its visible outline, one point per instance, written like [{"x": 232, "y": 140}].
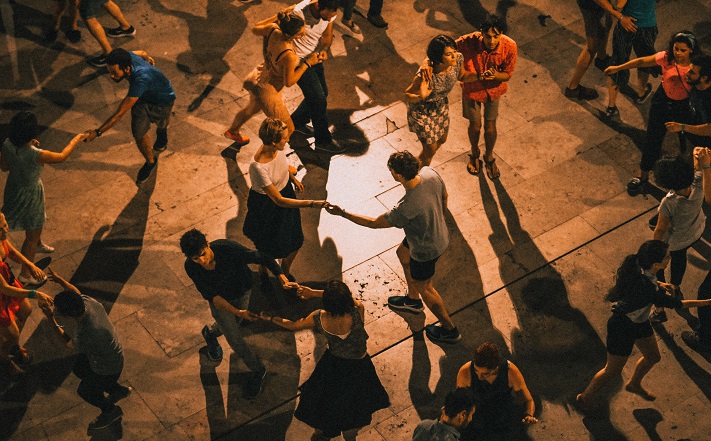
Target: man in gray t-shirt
[
  {"x": 100, "y": 360},
  {"x": 421, "y": 214}
]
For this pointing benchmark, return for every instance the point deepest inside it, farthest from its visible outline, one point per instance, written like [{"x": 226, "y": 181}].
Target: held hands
[
  {"x": 320, "y": 204},
  {"x": 529, "y": 419},
  {"x": 703, "y": 156},
  {"x": 489, "y": 74},
  {"x": 45, "y": 303},
  {"x": 322, "y": 56},
  {"x": 89, "y": 135},
  {"x": 246, "y": 315},
  {"x": 334, "y": 210},
  {"x": 313, "y": 59},
  {"x": 673, "y": 127},
  {"x": 304, "y": 292},
  {"x": 668, "y": 287}
]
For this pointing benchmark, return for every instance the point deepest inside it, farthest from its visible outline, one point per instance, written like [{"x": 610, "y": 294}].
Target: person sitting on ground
[
  {"x": 493, "y": 381},
  {"x": 457, "y": 412}
]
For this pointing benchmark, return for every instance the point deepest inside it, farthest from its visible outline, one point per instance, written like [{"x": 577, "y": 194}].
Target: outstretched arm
[
  {"x": 648, "y": 61},
  {"x": 47, "y": 157},
  {"x": 124, "y": 107},
  {"x": 364, "y": 221},
  {"x": 518, "y": 384},
  {"x": 303, "y": 323}
]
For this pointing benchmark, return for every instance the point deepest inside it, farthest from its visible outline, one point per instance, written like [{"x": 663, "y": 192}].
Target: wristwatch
[{"x": 98, "y": 132}]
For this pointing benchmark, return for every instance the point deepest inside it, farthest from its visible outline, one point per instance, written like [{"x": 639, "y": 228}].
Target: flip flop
[
  {"x": 474, "y": 166},
  {"x": 492, "y": 171}
]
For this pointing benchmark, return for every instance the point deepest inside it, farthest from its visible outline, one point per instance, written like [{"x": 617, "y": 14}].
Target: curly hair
[
  {"x": 487, "y": 356},
  {"x": 289, "y": 23},
  {"x": 404, "y": 163},
  {"x": 689, "y": 39},
  {"x": 192, "y": 242},
  {"x": 674, "y": 173},
  {"x": 337, "y": 298}
]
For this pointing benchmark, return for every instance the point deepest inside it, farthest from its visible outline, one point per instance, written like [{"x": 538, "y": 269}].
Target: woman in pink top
[{"x": 669, "y": 103}]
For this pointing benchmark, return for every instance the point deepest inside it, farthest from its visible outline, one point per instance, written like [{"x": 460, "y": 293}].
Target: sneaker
[
  {"x": 73, "y": 35},
  {"x": 658, "y": 317},
  {"x": 333, "y": 147},
  {"x": 637, "y": 186},
  {"x": 239, "y": 140},
  {"x": 161, "y": 141},
  {"x": 611, "y": 112},
  {"x": 378, "y": 21},
  {"x": 581, "y": 93},
  {"x": 120, "y": 394},
  {"x": 352, "y": 26},
  {"x": 145, "y": 171},
  {"x": 441, "y": 334},
  {"x": 209, "y": 336},
  {"x": 44, "y": 248},
  {"x": 254, "y": 385},
  {"x": 647, "y": 92},
  {"x": 118, "y": 32},
  {"x": 105, "y": 419},
  {"x": 693, "y": 341},
  {"x": 405, "y": 303},
  {"x": 50, "y": 36},
  {"x": 99, "y": 61},
  {"x": 603, "y": 63},
  {"x": 305, "y": 130}
]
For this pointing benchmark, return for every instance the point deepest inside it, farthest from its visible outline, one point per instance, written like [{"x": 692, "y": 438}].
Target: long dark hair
[
  {"x": 689, "y": 39},
  {"x": 628, "y": 275}
]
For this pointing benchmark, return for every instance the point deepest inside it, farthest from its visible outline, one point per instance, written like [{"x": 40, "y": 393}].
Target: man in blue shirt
[{"x": 150, "y": 98}]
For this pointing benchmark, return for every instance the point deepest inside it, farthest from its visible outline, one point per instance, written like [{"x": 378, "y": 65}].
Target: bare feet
[{"x": 639, "y": 390}]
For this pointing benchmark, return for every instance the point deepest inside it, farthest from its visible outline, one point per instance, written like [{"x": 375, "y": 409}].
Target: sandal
[
  {"x": 474, "y": 166},
  {"x": 492, "y": 171}
]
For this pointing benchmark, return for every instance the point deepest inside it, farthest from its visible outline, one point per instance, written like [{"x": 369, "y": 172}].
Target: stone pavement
[{"x": 530, "y": 260}]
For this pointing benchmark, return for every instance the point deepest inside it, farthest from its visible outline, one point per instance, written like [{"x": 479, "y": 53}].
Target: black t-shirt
[
  {"x": 231, "y": 277},
  {"x": 701, "y": 101},
  {"x": 589, "y": 5}
]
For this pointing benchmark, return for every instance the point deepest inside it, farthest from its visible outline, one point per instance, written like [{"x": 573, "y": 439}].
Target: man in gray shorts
[
  {"x": 492, "y": 55},
  {"x": 421, "y": 214},
  {"x": 150, "y": 99}
]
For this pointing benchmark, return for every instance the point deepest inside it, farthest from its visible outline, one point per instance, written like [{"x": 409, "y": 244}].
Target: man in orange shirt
[{"x": 492, "y": 55}]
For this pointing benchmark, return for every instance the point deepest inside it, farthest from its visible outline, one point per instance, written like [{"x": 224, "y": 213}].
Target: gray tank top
[{"x": 352, "y": 347}]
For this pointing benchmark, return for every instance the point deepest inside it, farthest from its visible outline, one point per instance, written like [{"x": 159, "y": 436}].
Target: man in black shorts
[
  {"x": 421, "y": 214},
  {"x": 150, "y": 99}
]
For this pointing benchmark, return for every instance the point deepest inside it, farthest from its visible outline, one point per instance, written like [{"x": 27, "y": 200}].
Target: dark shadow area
[
  {"x": 698, "y": 374},
  {"x": 649, "y": 418},
  {"x": 474, "y": 13}
]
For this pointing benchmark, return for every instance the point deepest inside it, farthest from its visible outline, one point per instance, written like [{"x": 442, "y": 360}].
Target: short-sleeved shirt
[
  {"x": 231, "y": 277},
  {"x": 421, "y": 214},
  {"x": 643, "y": 11},
  {"x": 25, "y": 168},
  {"x": 96, "y": 337},
  {"x": 686, "y": 216},
  {"x": 274, "y": 172},
  {"x": 148, "y": 84},
  {"x": 315, "y": 27},
  {"x": 477, "y": 58},
  {"x": 433, "y": 430},
  {"x": 589, "y": 5},
  {"x": 673, "y": 77}
]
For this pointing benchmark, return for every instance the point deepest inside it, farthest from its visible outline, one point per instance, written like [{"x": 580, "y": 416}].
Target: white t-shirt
[
  {"x": 274, "y": 172},
  {"x": 315, "y": 27}
]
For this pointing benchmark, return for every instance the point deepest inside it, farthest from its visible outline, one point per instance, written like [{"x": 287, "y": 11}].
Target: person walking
[
  {"x": 150, "y": 99},
  {"x": 698, "y": 131},
  {"x": 23, "y": 201},
  {"x": 89, "y": 11},
  {"x": 421, "y": 214},
  {"x": 71, "y": 7},
  {"x": 374, "y": 15},
  {"x": 456, "y": 413},
  {"x": 344, "y": 390}
]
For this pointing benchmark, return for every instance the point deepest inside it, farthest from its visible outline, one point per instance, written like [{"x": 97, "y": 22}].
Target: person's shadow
[{"x": 110, "y": 261}]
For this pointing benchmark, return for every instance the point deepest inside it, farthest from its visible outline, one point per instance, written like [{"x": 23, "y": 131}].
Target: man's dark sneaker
[
  {"x": 405, "y": 303},
  {"x": 105, "y": 419},
  {"x": 119, "y": 394},
  {"x": 50, "y": 36},
  {"x": 637, "y": 186},
  {"x": 254, "y": 384},
  {"x": 118, "y": 32},
  {"x": 214, "y": 350},
  {"x": 647, "y": 93},
  {"x": 333, "y": 147},
  {"x": 441, "y": 334},
  {"x": 99, "y": 61},
  {"x": 693, "y": 341},
  {"x": 611, "y": 112},
  {"x": 581, "y": 93},
  {"x": 658, "y": 317},
  {"x": 145, "y": 171},
  {"x": 378, "y": 21},
  {"x": 161, "y": 140},
  {"x": 603, "y": 63},
  {"x": 305, "y": 130},
  {"x": 73, "y": 35}
]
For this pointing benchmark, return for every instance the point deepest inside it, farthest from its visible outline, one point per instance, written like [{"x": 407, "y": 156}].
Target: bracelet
[
  {"x": 683, "y": 127},
  {"x": 343, "y": 212},
  {"x": 32, "y": 294},
  {"x": 307, "y": 64}
]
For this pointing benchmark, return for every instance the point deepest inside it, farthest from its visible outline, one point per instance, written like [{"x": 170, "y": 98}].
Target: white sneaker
[
  {"x": 31, "y": 281},
  {"x": 44, "y": 248}
]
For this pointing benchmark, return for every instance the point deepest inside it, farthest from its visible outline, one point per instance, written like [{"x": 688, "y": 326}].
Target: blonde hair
[{"x": 270, "y": 131}]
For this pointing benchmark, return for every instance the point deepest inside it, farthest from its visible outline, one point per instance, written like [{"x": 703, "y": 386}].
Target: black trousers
[{"x": 93, "y": 386}]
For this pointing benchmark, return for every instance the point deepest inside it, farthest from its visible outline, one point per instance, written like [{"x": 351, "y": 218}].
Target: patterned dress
[
  {"x": 429, "y": 118},
  {"x": 23, "y": 203}
]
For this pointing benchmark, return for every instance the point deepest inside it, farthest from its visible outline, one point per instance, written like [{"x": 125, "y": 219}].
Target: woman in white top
[{"x": 273, "y": 220}]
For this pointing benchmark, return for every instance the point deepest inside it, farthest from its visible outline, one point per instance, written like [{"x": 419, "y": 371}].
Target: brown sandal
[
  {"x": 492, "y": 171},
  {"x": 474, "y": 166}
]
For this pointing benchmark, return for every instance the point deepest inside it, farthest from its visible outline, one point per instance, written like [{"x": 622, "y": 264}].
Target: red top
[
  {"x": 8, "y": 305},
  {"x": 477, "y": 58}
]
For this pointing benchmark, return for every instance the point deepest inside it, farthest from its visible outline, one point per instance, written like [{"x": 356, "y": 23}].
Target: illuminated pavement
[{"x": 530, "y": 259}]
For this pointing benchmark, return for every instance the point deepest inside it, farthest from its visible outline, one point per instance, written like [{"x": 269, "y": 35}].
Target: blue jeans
[
  {"x": 228, "y": 324},
  {"x": 313, "y": 107}
]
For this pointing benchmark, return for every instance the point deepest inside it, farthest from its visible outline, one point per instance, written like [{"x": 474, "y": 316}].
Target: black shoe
[
  {"x": 581, "y": 93},
  {"x": 404, "y": 303},
  {"x": 305, "y": 130},
  {"x": 161, "y": 141},
  {"x": 693, "y": 341},
  {"x": 333, "y": 147},
  {"x": 145, "y": 171},
  {"x": 50, "y": 36},
  {"x": 378, "y": 21},
  {"x": 611, "y": 112},
  {"x": 254, "y": 385},
  {"x": 105, "y": 419},
  {"x": 441, "y": 334},
  {"x": 73, "y": 35},
  {"x": 658, "y": 317},
  {"x": 637, "y": 186},
  {"x": 647, "y": 93},
  {"x": 118, "y": 32},
  {"x": 120, "y": 394},
  {"x": 99, "y": 61},
  {"x": 214, "y": 350}
]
